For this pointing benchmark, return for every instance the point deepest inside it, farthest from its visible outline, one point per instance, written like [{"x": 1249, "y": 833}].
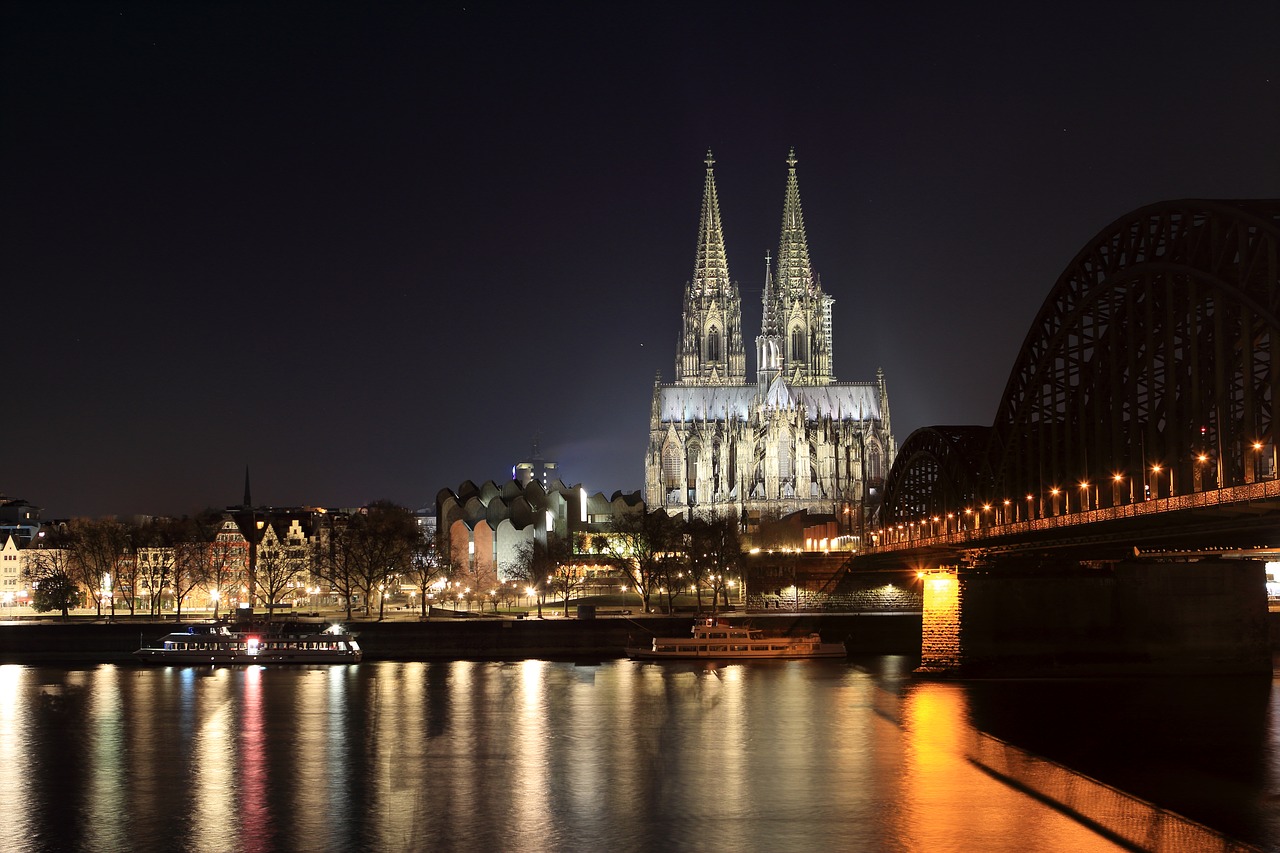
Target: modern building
[
  {"x": 483, "y": 527},
  {"x": 794, "y": 439},
  {"x": 19, "y": 518}
]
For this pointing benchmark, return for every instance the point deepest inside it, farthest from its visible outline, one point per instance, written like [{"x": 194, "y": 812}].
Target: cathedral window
[
  {"x": 713, "y": 344},
  {"x": 784, "y": 462},
  {"x": 874, "y": 465},
  {"x": 797, "y": 344},
  {"x": 692, "y": 467},
  {"x": 671, "y": 466}
]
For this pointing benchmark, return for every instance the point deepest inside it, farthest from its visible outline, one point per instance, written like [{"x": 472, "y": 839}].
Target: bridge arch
[
  {"x": 1152, "y": 368},
  {"x": 937, "y": 471}
]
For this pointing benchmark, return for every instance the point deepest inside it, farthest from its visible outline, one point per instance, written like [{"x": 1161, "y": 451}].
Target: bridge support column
[
  {"x": 940, "y": 647},
  {"x": 1067, "y": 618}
]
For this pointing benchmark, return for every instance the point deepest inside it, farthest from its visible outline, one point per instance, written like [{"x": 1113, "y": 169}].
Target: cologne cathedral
[{"x": 794, "y": 439}]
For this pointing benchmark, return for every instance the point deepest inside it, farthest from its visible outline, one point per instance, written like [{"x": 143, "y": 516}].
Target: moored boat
[
  {"x": 268, "y": 644},
  {"x": 715, "y": 639}
]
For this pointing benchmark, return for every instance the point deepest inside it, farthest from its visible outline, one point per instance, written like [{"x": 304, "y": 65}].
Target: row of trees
[
  {"x": 654, "y": 552},
  {"x": 363, "y": 557},
  {"x": 101, "y": 558},
  {"x": 144, "y": 567}
]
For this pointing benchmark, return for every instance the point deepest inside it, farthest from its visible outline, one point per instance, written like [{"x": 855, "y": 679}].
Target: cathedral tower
[
  {"x": 711, "y": 350},
  {"x": 795, "y": 336},
  {"x": 794, "y": 440}
]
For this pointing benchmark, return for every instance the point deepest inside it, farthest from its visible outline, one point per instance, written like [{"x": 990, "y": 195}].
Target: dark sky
[{"x": 370, "y": 250}]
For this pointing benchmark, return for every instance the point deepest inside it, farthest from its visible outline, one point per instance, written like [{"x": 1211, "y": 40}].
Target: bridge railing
[{"x": 922, "y": 533}]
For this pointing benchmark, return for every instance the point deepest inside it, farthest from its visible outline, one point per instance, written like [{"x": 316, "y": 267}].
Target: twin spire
[{"x": 795, "y": 334}]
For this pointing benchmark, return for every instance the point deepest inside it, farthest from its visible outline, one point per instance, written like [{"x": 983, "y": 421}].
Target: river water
[{"x": 624, "y": 756}]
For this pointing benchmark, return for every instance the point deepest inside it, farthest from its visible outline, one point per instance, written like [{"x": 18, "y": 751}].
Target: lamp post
[
  {"x": 1153, "y": 491},
  {"x": 1055, "y": 491},
  {"x": 1084, "y": 495}
]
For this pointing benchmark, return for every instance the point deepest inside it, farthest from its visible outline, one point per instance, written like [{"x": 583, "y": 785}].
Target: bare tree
[
  {"x": 334, "y": 560},
  {"x": 536, "y": 564},
  {"x": 714, "y": 548},
  {"x": 426, "y": 565},
  {"x": 280, "y": 563},
  {"x": 227, "y": 564},
  {"x": 156, "y": 543},
  {"x": 378, "y": 546},
  {"x": 639, "y": 545},
  {"x": 568, "y": 573},
  {"x": 200, "y": 557},
  {"x": 95, "y": 551}
]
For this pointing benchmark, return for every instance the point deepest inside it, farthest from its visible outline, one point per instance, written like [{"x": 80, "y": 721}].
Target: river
[{"x": 622, "y": 756}]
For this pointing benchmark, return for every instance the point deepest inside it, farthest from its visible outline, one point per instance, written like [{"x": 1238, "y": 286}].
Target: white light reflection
[
  {"x": 111, "y": 744},
  {"x": 530, "y": 743},
  {"x": 15, "y": 795},
  {"x": 213, "y": 765}
]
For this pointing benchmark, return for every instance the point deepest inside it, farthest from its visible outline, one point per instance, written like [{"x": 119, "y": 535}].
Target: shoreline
[{"x": 451, "y": 638}]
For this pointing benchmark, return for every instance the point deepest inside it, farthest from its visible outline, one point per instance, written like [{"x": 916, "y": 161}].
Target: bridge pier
[{"x": 1063, "y": 617}]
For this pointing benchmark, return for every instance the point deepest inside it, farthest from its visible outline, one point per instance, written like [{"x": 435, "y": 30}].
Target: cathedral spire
[
  {"x": 797, "y": 313},
  {"x": 711, "y": 350},
  {"x": 795, "y": 275},
  {"x": 711, "y": 267}
]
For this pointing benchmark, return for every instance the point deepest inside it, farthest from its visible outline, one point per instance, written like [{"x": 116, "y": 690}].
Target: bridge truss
[{"x": 1152, "y": 370}]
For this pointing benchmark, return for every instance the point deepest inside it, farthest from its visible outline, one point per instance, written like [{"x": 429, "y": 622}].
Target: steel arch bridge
[{"x": 1152, "y": 369}]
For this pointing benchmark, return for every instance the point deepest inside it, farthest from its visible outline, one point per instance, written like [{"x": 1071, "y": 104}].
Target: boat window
[
  {"x": 687, "y": 648},
  {"x": 740, "y": 648},
  {"x": 778, "y": 648},
  {"x": 717, "y": 648},
  {"x": 718, "y": 635}
]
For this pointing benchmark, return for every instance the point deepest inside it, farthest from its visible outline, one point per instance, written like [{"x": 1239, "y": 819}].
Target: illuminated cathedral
[{"x": 795, "y": 438}]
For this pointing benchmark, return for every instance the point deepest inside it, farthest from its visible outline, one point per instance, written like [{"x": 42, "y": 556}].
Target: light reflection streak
[
  {"x": 214, "y": 775},
  {"x": 251, "y": 759},
  {"x": 945, "y": 797},
  {"x": 109, "y": 784},
  {"x": 529, "y": 746},
  {"x": 15, "y": 793}
]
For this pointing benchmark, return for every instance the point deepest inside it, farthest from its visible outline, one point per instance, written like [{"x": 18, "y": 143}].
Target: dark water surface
[{"x": 617, "y": 756}]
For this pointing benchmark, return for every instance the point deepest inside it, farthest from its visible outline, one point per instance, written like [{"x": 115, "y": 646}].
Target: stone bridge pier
[{"x": 1016, "y": 616}]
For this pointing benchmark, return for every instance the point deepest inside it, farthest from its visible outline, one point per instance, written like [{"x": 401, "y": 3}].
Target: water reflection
[{"x": 538, "y": 755}]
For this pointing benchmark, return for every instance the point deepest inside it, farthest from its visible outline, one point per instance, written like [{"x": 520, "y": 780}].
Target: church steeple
[
  {"x": 710, "y": 267},
  {"x": 795, "y": 275},
  {"x": 797, "y": 312},
  {"x": 711, "y": 350}
]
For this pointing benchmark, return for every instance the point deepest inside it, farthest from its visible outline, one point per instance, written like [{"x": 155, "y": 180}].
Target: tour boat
[
  {"x": 269, "y": 644},
  {"x": 718, "y": 640}
]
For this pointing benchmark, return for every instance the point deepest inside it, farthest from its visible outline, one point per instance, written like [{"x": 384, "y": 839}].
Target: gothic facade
[{"x": 795, "y": 438}]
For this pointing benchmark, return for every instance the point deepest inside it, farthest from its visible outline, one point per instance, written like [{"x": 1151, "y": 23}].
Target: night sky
[{"x": 371, "y": 250}]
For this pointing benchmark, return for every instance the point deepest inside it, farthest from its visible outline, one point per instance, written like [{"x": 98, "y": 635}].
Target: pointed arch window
[
  {"x": 671, "y": 465},
  {"x": 691, "y": 466},
  {"x": 798, "y": 345},
  {"x": 875, "y": 464},
  {"x": 713, "y": 344}
]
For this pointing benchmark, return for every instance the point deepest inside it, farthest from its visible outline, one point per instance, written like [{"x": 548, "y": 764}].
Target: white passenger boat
[
  {"x": 717, "y": 640},
  {"x": 266, "y": 644}
]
